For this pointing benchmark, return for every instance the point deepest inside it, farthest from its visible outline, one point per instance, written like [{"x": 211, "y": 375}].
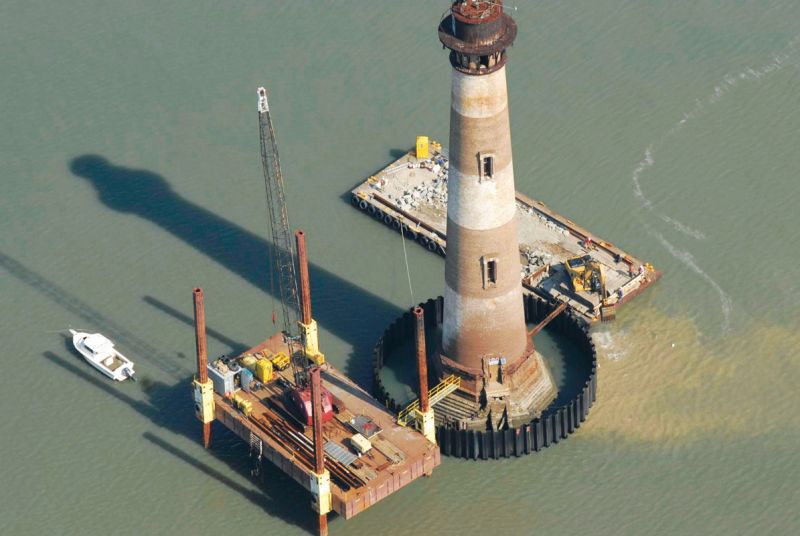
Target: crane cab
[{"x": 301, "y": 405}]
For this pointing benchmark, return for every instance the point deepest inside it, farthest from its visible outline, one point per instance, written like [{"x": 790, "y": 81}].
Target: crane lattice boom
[{"x": 283, "y": 256}]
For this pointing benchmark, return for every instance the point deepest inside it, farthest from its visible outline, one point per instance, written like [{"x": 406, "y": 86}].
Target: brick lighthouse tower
[{"x": 485, "y": 339}]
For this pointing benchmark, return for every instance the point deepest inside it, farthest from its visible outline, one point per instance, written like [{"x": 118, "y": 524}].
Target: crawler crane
[{"x": 300, "y": 336}]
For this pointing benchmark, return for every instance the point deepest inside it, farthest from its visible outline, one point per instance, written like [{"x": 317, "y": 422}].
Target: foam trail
[
  {"x": 729, "y": 82},
  {"x": 688, "y": 260},
  {"x": 609, "y": 345},
  {"x": 685, "y": 229},
  {"x": 646, "y": 163}
]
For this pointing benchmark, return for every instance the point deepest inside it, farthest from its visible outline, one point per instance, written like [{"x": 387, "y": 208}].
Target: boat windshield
[{"x": 98, "y": 344}]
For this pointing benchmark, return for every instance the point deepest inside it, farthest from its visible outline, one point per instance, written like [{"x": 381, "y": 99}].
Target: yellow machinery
[
  {"x": 422, "y": 148},
  {"x": 249, "y": 362},
  {"x": 242, "y": 404},
  {"x": 280, "y": 361},
  {"x": 310, "y": 337},
  {"x": 263, "y": 370},
  {"x": 586, "y": 274},
  {"x": 204, "y": 400}
]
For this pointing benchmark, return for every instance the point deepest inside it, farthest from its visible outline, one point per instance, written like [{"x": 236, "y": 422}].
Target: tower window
[
  {"x": 486, "y": 166},
  {"x": 491, "y": 272},
  {"x": 489, "y": 265}
]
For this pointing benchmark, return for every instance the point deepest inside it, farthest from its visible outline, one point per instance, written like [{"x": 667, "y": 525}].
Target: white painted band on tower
[
  {"x": 479, "y": 204},
  {"x": 479, "y": 96}
]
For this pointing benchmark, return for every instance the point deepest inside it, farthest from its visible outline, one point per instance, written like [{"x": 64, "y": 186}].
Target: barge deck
[
  {"x": 398, "y": 456},
  {"x": 411, "y": 194}
]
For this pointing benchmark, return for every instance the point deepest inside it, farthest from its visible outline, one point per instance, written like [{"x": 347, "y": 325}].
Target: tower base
[{"x": 502, "y": 394}]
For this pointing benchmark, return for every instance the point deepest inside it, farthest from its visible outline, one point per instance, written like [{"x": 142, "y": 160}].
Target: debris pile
[
  {"x": 547, "y": 222},
  {"x": 537, "y": 258},
  {"x": 429, "y": 193}
]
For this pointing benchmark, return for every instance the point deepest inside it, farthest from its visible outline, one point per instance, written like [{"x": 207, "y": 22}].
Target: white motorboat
[{"x": 99, "y": 351}]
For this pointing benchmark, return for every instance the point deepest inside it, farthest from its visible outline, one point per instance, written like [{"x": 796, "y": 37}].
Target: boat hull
[{"x": 107, "y": 360}]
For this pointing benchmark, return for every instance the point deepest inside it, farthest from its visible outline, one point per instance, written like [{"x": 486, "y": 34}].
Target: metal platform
[
  {"x": 400, "y": 455},
  {"x": 339, "y": 453},
  {"x": 411, "y": 194}
]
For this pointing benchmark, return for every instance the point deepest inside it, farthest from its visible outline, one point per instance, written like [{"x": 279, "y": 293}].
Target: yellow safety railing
[{"x": 441, "y": 390}]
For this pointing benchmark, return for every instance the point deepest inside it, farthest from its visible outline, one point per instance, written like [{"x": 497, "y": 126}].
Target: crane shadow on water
[
  {"x": 341, "y": 307},
  {"x": 277, "y": 495},
  {"x": 235, "y": 346}
]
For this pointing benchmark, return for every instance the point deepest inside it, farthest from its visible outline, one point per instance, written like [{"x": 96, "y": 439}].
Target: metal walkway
[{"x": 441, "y": 390}]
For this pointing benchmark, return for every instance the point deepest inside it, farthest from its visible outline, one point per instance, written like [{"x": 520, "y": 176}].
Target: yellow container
[
  {"x": 244, "y": 405},
  {"x": 263, "y": 370},
  {"x": 422, "y": 147}
]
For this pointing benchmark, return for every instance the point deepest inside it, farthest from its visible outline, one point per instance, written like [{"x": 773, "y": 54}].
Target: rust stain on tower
[{"x": 484, "y": 337}]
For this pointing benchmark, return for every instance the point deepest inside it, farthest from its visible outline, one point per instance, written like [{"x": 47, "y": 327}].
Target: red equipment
[{"x": 301, "y": 404}]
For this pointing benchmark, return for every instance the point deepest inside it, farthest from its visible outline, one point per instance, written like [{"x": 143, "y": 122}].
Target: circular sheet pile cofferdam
[{"x": 556, "y": 422}]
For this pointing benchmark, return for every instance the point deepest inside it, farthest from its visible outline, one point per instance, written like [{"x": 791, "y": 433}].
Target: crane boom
[{"x": 283, "y": 256}]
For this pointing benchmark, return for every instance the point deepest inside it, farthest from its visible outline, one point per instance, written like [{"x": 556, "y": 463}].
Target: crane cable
[{"x": 405, "y": 256}]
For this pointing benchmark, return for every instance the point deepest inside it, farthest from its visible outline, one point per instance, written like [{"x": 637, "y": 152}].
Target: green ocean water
[{"x": 130, "y": 174}]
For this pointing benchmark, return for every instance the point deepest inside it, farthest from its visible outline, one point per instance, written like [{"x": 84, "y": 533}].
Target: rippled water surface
[{"x": 130, "y": 173}]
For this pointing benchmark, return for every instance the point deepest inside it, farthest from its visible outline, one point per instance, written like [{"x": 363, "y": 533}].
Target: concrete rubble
[
  {"x": 537, "y": 258},
  {"x": 430, "y": 193},
  {"x": 534, "y": 260}
]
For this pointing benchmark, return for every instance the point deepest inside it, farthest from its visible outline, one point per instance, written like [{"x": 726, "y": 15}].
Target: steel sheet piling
[{"x": 552, "y": 427}]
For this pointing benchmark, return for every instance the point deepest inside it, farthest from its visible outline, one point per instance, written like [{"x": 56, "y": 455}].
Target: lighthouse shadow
[{"x": 149, "y": 196}]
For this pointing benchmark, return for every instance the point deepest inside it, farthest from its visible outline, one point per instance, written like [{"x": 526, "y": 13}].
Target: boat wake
[
  {"x": 786, "y": 57},
  {"x": 646, "y": 163},
  {"x": 685, "y": 229},
  {"x": 726, "y": 303}
]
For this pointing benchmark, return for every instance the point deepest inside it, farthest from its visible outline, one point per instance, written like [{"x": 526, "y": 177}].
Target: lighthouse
[{"x": 484, "y": 337}]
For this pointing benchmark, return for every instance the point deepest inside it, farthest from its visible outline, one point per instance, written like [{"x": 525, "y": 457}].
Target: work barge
[
  {"x": 366, "y": 454},
  {"x": 410, "y": 194},
  {"x": 398, "y": 455}
]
